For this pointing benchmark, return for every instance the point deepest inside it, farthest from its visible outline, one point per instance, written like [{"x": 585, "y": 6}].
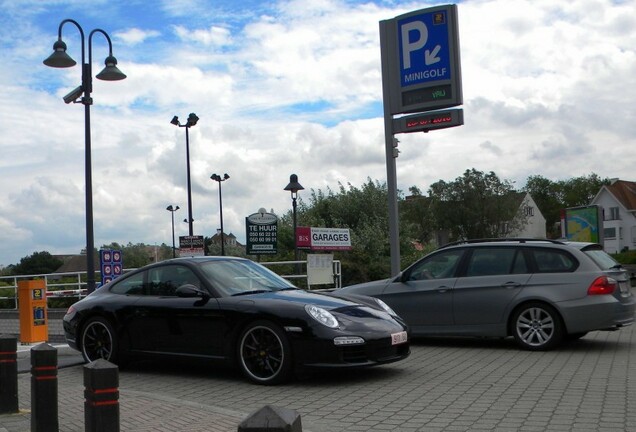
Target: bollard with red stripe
[
  {"x": 101, "y": 397},
  {"x": 8, "y": 375},
  {"x": 44, "y": 417}
]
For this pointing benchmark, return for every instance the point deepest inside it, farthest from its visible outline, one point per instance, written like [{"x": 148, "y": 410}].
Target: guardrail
[{"x": 76, "y": 286}]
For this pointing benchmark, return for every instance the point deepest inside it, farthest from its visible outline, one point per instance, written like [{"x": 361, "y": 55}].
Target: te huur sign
[{"x": 261, "y": 234}]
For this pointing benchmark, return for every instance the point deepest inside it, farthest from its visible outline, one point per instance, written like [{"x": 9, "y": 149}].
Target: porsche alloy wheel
[
  {"x": 264, "y": 353},
  {"x": 98, "y": 341}
]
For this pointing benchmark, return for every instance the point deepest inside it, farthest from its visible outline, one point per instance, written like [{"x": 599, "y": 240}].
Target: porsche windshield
[{"x": 235, "y": 277}]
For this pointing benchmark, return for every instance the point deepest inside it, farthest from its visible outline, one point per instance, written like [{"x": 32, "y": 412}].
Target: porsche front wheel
[{"x": 264, "y": 353}]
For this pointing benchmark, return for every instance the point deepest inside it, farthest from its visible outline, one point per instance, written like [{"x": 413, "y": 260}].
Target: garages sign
[{"x": 323, "y": 238}]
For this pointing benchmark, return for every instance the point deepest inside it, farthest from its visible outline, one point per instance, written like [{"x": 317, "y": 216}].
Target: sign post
[{"x": 420, "y": 73}]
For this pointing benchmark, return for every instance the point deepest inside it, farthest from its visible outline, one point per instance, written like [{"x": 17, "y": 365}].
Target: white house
[
  {"x": 535, "y": 226},
  {"x": 618, "y": 204}
]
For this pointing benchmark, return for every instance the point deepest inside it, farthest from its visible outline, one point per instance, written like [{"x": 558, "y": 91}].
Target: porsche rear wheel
[
  {"x": 264, "y": 353},
  {"x": 99, "y": 341}
]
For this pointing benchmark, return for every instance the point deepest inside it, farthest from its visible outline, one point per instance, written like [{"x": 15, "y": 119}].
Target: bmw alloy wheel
[{"x": 537, "y": 327}]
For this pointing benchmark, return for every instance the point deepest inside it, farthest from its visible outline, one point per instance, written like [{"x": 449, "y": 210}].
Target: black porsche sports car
[{"x": 235, "y": 310}]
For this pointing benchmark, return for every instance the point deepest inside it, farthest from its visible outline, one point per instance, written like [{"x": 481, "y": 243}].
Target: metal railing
[{"x": 75, "y": 287}]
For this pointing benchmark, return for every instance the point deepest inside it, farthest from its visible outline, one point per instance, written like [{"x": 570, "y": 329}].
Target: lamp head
[
  {"x": 192, "y": 120},
  {"x": 175, "y": 121},
  {"x": 59, "y": 58},
  {"x": 293, "y": 185},
  {"x": 110, "y": 72},
  {"x": 225, "y": 176}
]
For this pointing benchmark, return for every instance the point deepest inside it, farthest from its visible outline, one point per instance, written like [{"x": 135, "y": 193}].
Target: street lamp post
[
  {"x": 60, "y": 59},
  {"x": 217, "y": 178},
  {"x": 192, "y": 120},
  {"x": 293, "y": 187},
  {"x": 172, "y": 209}
]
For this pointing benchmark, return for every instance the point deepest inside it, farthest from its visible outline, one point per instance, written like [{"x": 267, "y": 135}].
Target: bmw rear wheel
[
  {"x": 98, "y": 341},
  {"x": 537, "y": 327},
  {"x": 264, "y": 353}
]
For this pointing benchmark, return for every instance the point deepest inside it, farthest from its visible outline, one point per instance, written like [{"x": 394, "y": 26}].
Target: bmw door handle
[
  {"x": 442, "y": 289},
  {"x": 511, "y": 285}
]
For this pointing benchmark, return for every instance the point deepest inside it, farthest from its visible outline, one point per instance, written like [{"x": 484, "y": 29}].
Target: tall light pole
[
  {"x": 172, "y": 210},
  {"x": 192, "y": 120},
  {"x": 217, "y": 178},
  {"x": 60, "y": 59},
  {"x": 293, "y": 187}
]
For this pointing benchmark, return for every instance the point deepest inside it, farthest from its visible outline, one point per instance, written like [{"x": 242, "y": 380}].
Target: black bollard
[
  {"x": 8, "y": 374},
  {"x": 272, "y": 419},
  {"x": 44, "y": 405},
  {"x": 101, "y": 397}
]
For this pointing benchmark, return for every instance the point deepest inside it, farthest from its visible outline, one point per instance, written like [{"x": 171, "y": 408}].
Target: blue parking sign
[{"x": 424, "y": 48}]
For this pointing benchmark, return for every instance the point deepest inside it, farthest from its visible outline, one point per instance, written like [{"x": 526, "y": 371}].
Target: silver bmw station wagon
[{"x": 541, "y": 292}]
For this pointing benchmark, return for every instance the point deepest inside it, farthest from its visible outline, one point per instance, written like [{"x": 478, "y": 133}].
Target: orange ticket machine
[{"x": 33, "y": 314}]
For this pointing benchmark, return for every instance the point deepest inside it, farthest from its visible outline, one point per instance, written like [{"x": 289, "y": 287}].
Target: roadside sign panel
[
  {"x": 261, "y": 234},
  {"x": 191, "y": 246},
  {"x": 425, "y": 122},
  {"x": 110, "y": 264},
  {"x": 323, "y": 238},
  {"x": 420, "y": 56}
]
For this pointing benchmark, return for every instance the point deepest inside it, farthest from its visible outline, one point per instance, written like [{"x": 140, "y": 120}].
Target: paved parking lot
[{"x": 445, "y": 385}]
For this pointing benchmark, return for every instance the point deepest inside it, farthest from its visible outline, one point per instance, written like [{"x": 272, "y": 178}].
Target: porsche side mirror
[{"x": 189, "y": 290}]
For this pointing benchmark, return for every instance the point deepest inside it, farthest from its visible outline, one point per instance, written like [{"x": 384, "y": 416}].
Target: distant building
[
  {"x": 228, "y": 239},
  {"x": 535, "y": 223},
  {"x": 618, "y": 204}
]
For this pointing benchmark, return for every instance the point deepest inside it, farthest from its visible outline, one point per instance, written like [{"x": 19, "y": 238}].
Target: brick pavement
[{"x": 446, "y": 385}]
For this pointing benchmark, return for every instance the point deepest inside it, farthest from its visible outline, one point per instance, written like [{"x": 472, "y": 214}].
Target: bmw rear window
[{"x": 601, "y": 258}]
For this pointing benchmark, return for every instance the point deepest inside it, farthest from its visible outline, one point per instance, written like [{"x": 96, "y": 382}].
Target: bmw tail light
[
  {"x": 602, "y": 285},
  {"x": 71, "y": 310}
]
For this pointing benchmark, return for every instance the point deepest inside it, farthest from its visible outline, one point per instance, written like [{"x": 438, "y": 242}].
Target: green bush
[{"x": 626, "y": 257}]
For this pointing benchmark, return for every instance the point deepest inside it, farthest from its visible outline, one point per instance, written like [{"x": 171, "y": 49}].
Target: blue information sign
[
  {"x": 420, "y": 61},
  {"x": 424, "y": 48}
]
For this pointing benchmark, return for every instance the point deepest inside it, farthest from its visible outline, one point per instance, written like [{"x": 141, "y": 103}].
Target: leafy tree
[
  {"x": 230, "y": 250},
  {"x": 476, "y": 205},
  {"x": 554, "y": 196},
  {"x": 38, "y": 263}
]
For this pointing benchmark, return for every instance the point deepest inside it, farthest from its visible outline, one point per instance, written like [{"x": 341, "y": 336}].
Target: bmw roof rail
[{"x": 503, "y": 239}]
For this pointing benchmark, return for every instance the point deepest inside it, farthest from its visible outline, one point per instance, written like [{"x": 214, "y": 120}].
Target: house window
[
  {"x": 528, "y": 211},
  {"x": 609, "y": 233},
  {"x": 613, "y": 213}
]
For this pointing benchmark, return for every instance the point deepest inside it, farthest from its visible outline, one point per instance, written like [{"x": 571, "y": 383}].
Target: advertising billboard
[{"x": 584, "y": 224}]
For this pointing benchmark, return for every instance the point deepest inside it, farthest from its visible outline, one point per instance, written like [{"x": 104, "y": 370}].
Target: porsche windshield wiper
[{"x": 250, "y": 292}]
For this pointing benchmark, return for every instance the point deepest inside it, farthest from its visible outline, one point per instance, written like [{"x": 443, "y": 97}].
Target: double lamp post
[{"x": 82, "y": 94}]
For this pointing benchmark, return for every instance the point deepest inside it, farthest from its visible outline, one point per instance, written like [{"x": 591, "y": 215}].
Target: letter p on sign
[{"x": 409, "y": 46}]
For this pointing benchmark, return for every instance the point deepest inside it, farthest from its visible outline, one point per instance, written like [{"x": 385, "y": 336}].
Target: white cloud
[{"x": 135, "y": 36}]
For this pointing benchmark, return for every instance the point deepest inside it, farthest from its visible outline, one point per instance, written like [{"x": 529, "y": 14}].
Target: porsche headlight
[
  {"x": 386, "y": 307},
  {"x": 321, "y": 315}
]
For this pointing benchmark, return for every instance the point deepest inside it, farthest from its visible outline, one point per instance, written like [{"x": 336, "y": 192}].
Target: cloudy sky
[{"x": 285, "y": 87}]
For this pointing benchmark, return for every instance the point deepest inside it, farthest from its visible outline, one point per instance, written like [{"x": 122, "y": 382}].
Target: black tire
[
  {"x": 537, "y": 326},
  {"x": 98, "y": 341},
  {"x": 264, "y": 353}
]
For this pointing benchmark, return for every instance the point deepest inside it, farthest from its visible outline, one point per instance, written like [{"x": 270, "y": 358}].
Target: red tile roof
[{"x": 625, "y": 192}]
